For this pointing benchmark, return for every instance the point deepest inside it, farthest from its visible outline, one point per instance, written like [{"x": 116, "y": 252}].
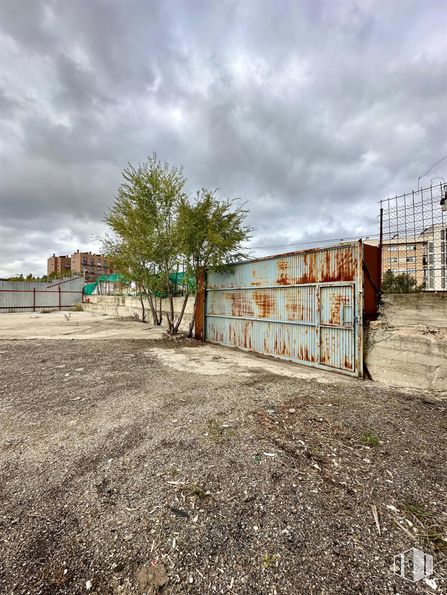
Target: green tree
[
  {"x": 128, "y": 259},
  {"x": 401, "y": 283},
  {"x": 212, "y": 234},
  {"x": 144, "y": 219},
  {"x": 158, "y": 232}
]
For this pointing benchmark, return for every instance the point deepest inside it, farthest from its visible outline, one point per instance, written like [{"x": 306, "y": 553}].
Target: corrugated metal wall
[
  {"x": 20, "y": 296},
  {"x": 305, "y": 307}
]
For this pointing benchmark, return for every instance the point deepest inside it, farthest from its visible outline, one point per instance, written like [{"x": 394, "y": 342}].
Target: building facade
[
  {"x": 405, "y": 255},
  {"x": 423, "y": 257},
  {"x": 59, "y": 266},
  {"x": 90, "y": 265},
  {"x": 435, "y": 258}
]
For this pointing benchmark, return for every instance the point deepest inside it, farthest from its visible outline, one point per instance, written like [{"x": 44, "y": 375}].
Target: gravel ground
[{"x": 122, "y": 474}]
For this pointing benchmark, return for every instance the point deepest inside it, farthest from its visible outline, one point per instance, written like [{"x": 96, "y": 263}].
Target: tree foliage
[
  {"x": 158, "y": 232},
  {"x": 401, "y": 283},
  {"x": 212, "y": 234}
]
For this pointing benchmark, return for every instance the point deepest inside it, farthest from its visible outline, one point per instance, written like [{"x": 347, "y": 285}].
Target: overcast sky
[{"x": 309, "y": 110}]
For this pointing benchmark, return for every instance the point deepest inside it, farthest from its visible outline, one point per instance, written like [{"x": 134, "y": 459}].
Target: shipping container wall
[{"x": 304, "y": 307}]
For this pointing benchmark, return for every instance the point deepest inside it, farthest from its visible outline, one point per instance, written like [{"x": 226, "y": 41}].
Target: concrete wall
[
  {"x": 407, "y": 345},
  {"x": 129, "y": 307}
]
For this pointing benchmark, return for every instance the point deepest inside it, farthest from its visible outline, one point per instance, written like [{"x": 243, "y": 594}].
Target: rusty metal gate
[{"x": 306, "y": 307}]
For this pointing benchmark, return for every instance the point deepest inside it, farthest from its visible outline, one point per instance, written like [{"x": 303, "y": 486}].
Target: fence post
[
  {"x": 60, "y": 302},
  {"x": 380, "y": 249},
  {"x": 200, "y": 326},
  {"x": 34, "y": 299}
]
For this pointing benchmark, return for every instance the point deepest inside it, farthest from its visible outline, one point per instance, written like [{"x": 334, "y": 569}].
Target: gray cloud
[{"x": 310, "y": 111}]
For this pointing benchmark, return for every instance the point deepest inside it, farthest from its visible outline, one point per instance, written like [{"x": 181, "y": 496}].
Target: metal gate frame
[{"x": 353, "y": 322}]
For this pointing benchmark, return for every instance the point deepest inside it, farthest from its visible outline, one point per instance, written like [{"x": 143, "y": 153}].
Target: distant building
[
  {"x": 435, "y": 257},
  {"x": 404, "y": 255},
  {"x": 80, "y": 263},
  {"x": 90, "y": 265},
  {"x": 58, "y": 266},
  {"x": 423, "y": 256}
]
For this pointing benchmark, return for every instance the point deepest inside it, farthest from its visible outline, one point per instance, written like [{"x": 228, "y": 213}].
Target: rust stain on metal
[
  {"x": 295, "y": 311},
  {"x": 199, "y": 327},
  {"x": 240, "y": 305},
  {"x": 303, "y": 353},
  {"x": 343, "y": 269},
  {"x": 283, "y": 278},
  {"x": 247, "y": 335},
  {"x": 310, "y": 269},
  {"x": 265, "y": 304},
  {"x": 335, "y": 313},
  {"x": 347, "y": 363}
]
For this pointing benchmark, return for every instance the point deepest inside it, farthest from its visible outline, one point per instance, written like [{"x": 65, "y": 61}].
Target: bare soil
[{"x": 122, "y": 473}]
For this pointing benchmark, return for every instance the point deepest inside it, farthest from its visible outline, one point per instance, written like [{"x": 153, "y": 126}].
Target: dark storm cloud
[{"x": 310, "y": 111}]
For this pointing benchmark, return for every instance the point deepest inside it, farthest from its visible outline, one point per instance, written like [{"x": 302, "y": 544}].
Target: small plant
[
  {"x": 77, "y": 308},
  {"x": 269, "y": 560},
  {"x": 433, "y": 531},
  {"x": 418, "y": 510},
  {"x": 369, "y": 439},
  {"x": 196, "y": 491},
  {"x": 174, "y": 471},
  {"x": 217, "y": 431}
]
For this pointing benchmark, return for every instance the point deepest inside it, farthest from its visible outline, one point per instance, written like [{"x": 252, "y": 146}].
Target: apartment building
[
  {"x": 90, "y": 265},
  {"x": 59, "y": 265},
  {"x": 405, "y": 255},
  {"x": 435, "y": 258},
  {"x": 423, "y": 256}
]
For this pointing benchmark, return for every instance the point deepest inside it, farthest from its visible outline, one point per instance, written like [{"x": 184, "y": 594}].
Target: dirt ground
[{"x": 145, "y": 465}]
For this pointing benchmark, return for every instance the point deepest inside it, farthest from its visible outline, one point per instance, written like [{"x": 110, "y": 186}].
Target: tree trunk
[
  {"x": 182, "y": 312},
  {"x": 170, "y": 315},
  {"x": 143, "y": 310},
  {"x": 193, "y": 319},
  {"x": 151, "y": 305}
]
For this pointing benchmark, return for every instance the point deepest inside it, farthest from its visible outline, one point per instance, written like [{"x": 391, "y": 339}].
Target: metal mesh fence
[{"x": 413, "y": 238}]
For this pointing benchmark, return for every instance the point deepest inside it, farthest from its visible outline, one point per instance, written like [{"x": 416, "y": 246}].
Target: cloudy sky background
[{"x": 311, "y": 111}]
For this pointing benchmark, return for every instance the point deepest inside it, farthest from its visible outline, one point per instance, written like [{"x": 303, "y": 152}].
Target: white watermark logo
[{"x": 413, "y": 565}]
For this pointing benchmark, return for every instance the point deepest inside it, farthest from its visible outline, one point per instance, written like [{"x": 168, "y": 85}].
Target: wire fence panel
[{"x": 414, "y": 240}]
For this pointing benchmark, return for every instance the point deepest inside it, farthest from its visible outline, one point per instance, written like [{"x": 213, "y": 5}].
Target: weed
[
  {"x": 418, "y": 510},
  {"x": 174, "y": 471},
  {"x": 369, "y": 439},
  {"x": 433, "y": 532},
  {"x": 217, "y": 431},
  {"x": 77, "y": 308},
  {"x": 196, "y": 491},
  {"x": 269, "y": 560},
  {"x": 316, "y": 451}
]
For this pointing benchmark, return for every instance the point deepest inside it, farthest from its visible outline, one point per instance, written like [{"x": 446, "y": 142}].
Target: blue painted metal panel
[{"x": 302, "y": 307}]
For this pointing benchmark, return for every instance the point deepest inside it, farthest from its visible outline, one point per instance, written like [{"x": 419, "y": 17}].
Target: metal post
[
  {"x": 34, "y": 299},
  {"x": 60, "y": 302},
  {"x": 380, "y": 248}
]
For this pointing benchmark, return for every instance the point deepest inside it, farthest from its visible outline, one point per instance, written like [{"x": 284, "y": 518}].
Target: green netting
[
  {"x": 89, "y": 288},
  {"x": 175, "y": 278},
  {"x": 113, "y": 278}
]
